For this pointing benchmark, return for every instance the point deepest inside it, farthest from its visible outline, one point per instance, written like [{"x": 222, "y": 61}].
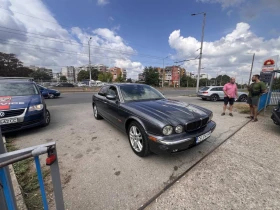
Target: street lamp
[
  {"x": 200, "y": 54},
  {"x": 89, "y": 65},
  {"x": 163, "y": 71}
]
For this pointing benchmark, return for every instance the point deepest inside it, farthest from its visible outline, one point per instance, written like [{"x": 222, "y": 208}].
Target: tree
[
  {"x": 151, "y": 76},
  {"x": 129, "y": 80},
  {"x": 184, "y": 81},
  {"x": 10, "y": 66},
  {"x": 222, "y": 79},
  {"x": 63, "y": 78},
  {"x": 105, "y": 77},
  {"x": 40, "y": 75},
  {"x": 120, "y": 78},
  {"x": 83, "y": 75},
  {"x": 276, "y": 84}
]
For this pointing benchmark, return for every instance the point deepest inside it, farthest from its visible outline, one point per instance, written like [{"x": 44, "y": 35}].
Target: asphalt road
[{"x": 86, "y": 97}]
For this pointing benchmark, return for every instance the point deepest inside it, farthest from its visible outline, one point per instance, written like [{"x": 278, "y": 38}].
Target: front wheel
[
  {"x": 51, "y": 96},
  {"x": 243, "y": 98},
  {"x": 47, "y": 118},
  {"x": 138, "y": 139}
]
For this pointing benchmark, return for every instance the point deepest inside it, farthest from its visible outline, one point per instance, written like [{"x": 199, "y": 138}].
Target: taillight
[{"x": 205, "y": 92}]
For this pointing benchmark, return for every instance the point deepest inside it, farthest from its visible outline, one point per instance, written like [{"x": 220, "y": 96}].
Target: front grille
[
  {"x": 192, "y": 126},
  {"x": 14, "y": 126},
  {"x": 12, "y": 113}
]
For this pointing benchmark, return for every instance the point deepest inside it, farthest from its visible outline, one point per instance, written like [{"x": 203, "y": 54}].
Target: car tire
[
  {"x": 51, "y": 96},
  {"x": 47, "y": 119},
  {"x": 242, "y": 98},
  {"x": 95, "y": 113},
  {"x": 214, "y": 97},
  {"x": 138, "y": 139}
]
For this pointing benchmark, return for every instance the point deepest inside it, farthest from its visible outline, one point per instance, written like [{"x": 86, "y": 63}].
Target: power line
[{"x": 23, "y": 33}]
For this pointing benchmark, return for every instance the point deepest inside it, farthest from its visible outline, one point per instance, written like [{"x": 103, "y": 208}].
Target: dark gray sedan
[{"x": 152, "y": 122}]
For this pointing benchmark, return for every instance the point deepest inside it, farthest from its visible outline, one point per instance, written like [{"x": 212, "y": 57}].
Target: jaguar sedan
[{"x": 152, "y": 122}]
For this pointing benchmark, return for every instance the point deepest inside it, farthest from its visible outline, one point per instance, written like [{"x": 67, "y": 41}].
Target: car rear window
[
  {"x": 204, "y": 88},
  {"x": 18, "y": 89}
]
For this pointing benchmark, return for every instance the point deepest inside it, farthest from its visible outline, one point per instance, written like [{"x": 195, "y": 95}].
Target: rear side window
[{"x": 103, "y": 91}]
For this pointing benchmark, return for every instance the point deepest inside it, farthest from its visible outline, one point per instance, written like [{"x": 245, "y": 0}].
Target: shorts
[
  {"x": 229, "y": 100},
  {"x": 254, "y": 101}
]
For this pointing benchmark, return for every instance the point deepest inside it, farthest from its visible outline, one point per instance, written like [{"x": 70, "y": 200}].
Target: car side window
[
  {"x": 113, "y": 91},
  {"x": 213, "y": 89},
  {"x": 103, "y": 91},
  {"x": 220, "y": 89}
]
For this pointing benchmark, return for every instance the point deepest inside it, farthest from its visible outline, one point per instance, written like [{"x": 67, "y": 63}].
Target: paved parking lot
[{"x": 101, "y": 170}]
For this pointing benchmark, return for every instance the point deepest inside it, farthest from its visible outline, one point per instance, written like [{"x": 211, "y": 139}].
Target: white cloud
[
  {"x": 69, "y": 46},
  {"x": 229, "y": 13},
  {"x": 133, "y": 67},
  {"x": 228, "y": 54},
  {"x": 102, "y": 2},
  {"x": 224, "y": 3},
  {"x": 111, "y": 18}
]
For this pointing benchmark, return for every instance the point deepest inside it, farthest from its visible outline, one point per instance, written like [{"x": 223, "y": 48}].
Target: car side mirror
[{"x": 111, "y": 97}]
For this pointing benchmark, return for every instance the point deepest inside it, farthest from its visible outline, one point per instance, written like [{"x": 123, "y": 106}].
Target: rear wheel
[
  {"x": 95, "y": 113},
  {"x": 214, "y": 97},
  {"x": 51, "y": 96},
  {"x": 138, "y": 139}
]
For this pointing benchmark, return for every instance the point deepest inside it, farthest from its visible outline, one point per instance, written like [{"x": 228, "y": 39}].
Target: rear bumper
[
  {"x": 167, "y": 145},
  {"x": 30, "y": 121},
  {"x": 203, "y": 96}
]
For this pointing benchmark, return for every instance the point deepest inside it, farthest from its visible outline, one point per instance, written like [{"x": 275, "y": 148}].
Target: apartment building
[{"x": 70, "y": 73}]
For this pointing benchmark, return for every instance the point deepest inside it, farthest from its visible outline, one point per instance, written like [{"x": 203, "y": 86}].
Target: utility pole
[
  {"x": 251, "y": 69},
  {"x": 201, "y": 47},
  {"x": 89, "y": 64}
]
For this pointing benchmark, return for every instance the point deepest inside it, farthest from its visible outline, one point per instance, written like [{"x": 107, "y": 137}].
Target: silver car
[{"x": 215, "y": 93}]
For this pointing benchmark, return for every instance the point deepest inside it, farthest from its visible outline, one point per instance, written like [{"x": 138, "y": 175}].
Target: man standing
[
  {"x": 230, "y": 90},
  {"x": 256, "y": 89}
]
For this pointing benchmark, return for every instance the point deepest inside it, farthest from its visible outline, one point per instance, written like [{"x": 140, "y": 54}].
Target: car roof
[{"x": 125, "y": 84}]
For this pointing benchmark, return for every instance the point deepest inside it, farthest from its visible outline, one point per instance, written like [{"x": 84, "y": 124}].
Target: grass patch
[
  {"x": 242, "y": 108},
  {"x": 25, "y": 171}
]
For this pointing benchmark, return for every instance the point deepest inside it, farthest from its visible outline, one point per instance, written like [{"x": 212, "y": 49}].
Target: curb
[{"x": 18, "y": 195}]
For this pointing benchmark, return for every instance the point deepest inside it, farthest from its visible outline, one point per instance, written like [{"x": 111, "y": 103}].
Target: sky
[{"x": 134, "y": 34}]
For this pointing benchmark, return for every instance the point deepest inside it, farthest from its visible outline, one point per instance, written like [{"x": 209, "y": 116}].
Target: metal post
[
  {"x": 41, "y": 182},
  {"x": 251, "y": 68},
  {"x": 200, "y": 54},
  {"x": 57, "y": 184},
  {"x": 162, "y": 72},
  {"x": 8, "y": 184},
  {"x": 89, "y": 64}
]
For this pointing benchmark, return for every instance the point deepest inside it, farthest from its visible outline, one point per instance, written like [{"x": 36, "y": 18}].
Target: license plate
[
  {"x": 203, "y": 137},
  {"x": 8, "y": 121}
]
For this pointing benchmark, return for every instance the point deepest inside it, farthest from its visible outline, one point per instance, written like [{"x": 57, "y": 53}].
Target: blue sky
[{"x": 150, "y": 27}]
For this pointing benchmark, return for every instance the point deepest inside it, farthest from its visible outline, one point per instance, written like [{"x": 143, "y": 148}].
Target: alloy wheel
[{"x": 136, "y": 138}]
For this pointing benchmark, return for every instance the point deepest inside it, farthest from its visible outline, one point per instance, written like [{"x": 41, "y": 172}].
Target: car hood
[
  {"x": 19, "y": 102},
  {"x": 166, "y": 111}
]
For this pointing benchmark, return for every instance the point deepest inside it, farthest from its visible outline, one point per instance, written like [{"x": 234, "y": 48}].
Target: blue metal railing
[{"x": 8, "y": 158}]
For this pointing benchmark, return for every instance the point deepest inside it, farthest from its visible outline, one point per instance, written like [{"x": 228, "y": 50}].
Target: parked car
[
  {"x": 152, "y": 122},
  {"x": 21, "y": 105},
  {"x": 65, "y": 84},
  {"x": 216, "y": 93},
  {"x": 276, "y": 114},
  {"x": 81, "y": 84},
  {"x": 48, "y": 93}
]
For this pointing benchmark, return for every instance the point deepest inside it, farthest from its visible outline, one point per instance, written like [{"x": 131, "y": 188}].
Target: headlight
[
  {"x": 38, "y": 107},
  {"x": 211, "y": 116},
  {"x": 179, "y": 129},
  {"x": 167, "y": 130}
]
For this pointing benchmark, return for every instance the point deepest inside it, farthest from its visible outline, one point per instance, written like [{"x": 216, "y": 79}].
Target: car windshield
[
  {"x": 140, "y": 92},
  {"x": 204, "y": 88},
  {"x": 17, "y": 89}
]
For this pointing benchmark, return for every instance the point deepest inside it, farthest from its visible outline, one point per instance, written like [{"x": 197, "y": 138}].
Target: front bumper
[
  {"x": 25, "y": 121},
  {"x": 276, "y": 116},
  {"x": 178, "y": 142}
]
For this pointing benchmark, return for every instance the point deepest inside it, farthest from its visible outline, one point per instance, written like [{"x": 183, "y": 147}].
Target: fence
[{"x": 7, "y": 196}]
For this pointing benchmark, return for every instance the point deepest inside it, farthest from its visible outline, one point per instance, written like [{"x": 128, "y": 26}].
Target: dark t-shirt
[{"x": 256, "y": 89}]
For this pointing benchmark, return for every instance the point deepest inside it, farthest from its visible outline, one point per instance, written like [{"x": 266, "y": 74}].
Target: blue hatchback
[
  {"x": 48, "y": 93},
  {"x": 21, "y": 105}
]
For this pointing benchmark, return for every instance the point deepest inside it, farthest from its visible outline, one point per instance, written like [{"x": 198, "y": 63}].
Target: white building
[{"x": 70, "y": 73}]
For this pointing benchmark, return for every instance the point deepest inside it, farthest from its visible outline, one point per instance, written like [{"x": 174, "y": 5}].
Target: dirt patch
[{"x": 242, "y": 108}]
